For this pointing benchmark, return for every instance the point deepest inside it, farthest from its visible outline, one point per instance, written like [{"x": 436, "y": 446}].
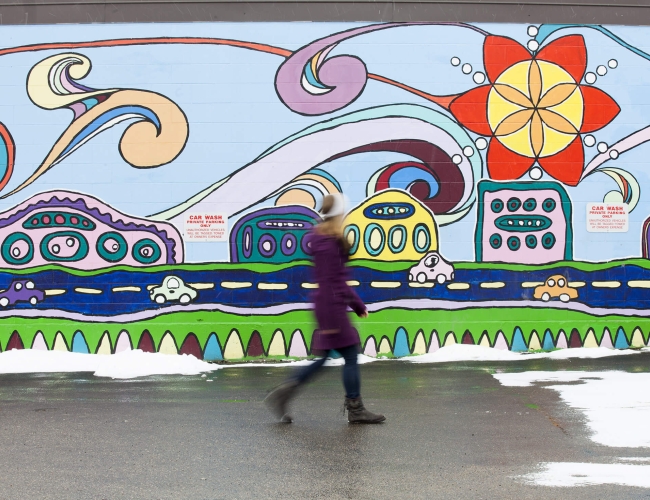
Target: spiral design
[
  {"x": 628, "y": 187},
  {"x": 156, "y": 138},
  {"x": 418, "y": 179},
  {"x": 52, "y": 84},
  {"x": 431, "y": 139},
  {"x": 7, "y": 155},
  {"x": 309, "y": 83},
  {"x": 307, "y": 188},
  {"x": 435, "y": 180}
]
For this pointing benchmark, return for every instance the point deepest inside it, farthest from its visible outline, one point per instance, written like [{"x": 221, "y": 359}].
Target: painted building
[
  {"x": 472, "y": 155},
  {"x": 273, "y": 235},
  {"x": 391, "y": 225},
  {"x": 523, "y": 222},
  {"x": 645, "y": 239},
  {"x": 78, "y": 231}
]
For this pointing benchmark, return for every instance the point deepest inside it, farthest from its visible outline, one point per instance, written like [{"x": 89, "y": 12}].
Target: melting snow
[
  {"x": 617, "y": 410},
  {"x": 616, "y": 404},
  {"x": 585, "y": 474},
  {"x": 126, "y": 364},
  {"x": 465, "y": 352}
]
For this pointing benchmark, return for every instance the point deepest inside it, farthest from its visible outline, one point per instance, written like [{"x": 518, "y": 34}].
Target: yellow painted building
[{"x": 391, "y": 225}]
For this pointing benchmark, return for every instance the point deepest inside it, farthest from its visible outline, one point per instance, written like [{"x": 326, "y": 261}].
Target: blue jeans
[{"x": 351, "y": 377}]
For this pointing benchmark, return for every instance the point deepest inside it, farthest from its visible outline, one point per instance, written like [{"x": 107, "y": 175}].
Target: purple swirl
[{"x": 341, "y": 78}]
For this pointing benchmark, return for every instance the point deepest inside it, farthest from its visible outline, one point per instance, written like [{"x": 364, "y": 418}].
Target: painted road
[{"x": 124, "y": 292}]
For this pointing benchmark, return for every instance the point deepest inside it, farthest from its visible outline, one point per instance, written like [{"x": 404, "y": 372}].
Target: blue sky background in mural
[{"x": 234, "y": 113}]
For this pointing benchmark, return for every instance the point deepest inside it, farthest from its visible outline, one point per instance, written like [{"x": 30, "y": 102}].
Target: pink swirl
[{"x": 342, "y": 78}]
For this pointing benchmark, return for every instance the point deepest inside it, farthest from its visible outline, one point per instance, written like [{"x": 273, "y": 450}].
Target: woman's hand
[{"x": 364, "y": 314}]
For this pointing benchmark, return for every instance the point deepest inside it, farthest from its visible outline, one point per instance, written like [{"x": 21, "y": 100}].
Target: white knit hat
[{"x": 338, "y": 207}]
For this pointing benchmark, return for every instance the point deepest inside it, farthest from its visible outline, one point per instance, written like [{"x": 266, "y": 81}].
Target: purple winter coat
[{"x": 333, "y": 296}]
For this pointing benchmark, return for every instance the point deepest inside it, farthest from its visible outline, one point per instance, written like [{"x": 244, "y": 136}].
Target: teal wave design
[{"x": 546, "y": 30}]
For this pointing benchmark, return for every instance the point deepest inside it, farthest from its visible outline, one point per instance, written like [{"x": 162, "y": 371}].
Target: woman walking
[{"x": 335, "y": 332}]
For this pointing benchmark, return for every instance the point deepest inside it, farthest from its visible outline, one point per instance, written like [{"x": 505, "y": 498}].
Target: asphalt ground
[{"x": 452, "y": 432}]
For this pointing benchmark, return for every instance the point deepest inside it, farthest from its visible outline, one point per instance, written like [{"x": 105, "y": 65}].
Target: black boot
[
  {"x": 278, "y": 400},
  {"x": 357, "y": 413}
]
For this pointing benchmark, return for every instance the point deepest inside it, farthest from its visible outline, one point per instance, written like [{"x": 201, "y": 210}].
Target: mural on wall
[{"x": 469, "y": 167}]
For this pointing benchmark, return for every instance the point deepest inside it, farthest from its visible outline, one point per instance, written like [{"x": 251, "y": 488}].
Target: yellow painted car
[{"x": 555, "y": 287}]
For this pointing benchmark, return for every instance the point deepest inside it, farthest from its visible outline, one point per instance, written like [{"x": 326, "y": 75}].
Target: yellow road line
[
  {"x": 90, "y": 291},
  {"x": 309, "y": 285},
  {"x": 493, "y": 284},
  {"x": 458, "y": 286},
  {"x": 415, "y": 284},
  {"x": 151, "y": 287},
  {"x": 272, "y": 286},
  {"x": 54, "y": 291},
  {"x": 353, "y": 283},
  {"x": 639, "y": 284},
  {"x": 236, "y": 284},
  {"x": 531, "y": 284},
  {"x": 577, "y": 284},
  {"x": 385, "y": 284},
  {"x": 201, "y": 286},
  {"x": 605, "y": 284},
  {"x": 127, "y": 289}
]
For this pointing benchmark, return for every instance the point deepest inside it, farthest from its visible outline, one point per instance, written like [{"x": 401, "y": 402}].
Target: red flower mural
[{"x": 535, "y": 108}]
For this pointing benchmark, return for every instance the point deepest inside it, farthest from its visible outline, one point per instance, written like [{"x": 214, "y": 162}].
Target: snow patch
[
  {"x": 586, "y": 474},
  {"x": 586, "y": 352},
  {"x": 616, "y": 404},
  {"x": 126, "y": 364},
  {"x": 466, "y": 352}
]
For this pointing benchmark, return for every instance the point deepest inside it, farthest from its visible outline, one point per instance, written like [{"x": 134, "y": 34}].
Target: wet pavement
[{"x": 452, "y": 432}]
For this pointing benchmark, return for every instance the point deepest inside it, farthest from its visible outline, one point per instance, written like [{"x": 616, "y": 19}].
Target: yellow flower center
[{"x": 535, "y": 108}]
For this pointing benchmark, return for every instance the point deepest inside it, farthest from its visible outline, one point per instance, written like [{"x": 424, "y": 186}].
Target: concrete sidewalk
[{"x": 452, "y": 432}]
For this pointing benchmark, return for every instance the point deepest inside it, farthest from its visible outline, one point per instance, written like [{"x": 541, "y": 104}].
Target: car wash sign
[
  {"x": 607, "y": 217},
  {"x": 206, "y": 227}
]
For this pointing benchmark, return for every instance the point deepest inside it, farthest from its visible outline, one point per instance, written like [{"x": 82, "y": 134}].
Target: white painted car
[
  {"x": 173, "y": 288},
  {"x": 432, "y": 267}
]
